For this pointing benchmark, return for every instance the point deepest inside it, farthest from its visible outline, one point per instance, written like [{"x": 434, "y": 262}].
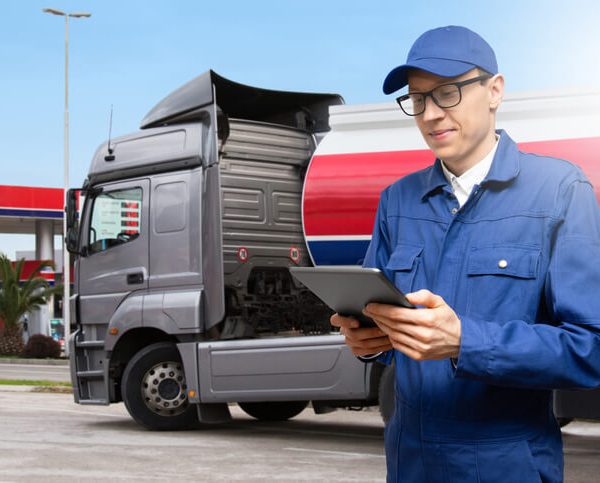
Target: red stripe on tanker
[{"x": 341, "y": 191}]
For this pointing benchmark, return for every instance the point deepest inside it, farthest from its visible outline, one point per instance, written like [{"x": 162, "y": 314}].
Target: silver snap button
[
  {"x": 454, "y": 211},
  {"x": 502, "y": 263}
]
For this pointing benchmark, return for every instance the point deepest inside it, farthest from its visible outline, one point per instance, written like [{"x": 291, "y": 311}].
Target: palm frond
[{"x": 17, "y": 299}]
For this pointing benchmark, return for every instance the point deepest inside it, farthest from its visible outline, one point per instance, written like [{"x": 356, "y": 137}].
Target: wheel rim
[{"x": 164, "y": 389}]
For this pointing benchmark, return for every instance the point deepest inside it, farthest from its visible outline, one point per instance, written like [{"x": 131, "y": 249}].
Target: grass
[
  {"x": 5, "y": 357},
  {"x": 33, "y": 382}
]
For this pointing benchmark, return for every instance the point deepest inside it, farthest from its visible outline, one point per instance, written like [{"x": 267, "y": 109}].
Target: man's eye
[
  {"x": 417, "y": 100},
  {"x": 446, "y": 92}
]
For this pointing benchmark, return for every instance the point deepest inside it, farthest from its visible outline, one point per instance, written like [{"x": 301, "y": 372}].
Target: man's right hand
[{"x": 363, "y": 341}]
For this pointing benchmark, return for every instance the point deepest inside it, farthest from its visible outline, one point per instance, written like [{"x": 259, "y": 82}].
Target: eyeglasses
[{"x": 445, "y": 96}]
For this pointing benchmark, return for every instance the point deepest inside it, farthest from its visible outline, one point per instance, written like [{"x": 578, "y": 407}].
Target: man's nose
[{"x": 432, "y": 110}]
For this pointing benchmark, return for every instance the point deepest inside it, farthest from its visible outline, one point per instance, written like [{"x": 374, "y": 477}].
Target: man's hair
[{"x": 481, "y": 71}]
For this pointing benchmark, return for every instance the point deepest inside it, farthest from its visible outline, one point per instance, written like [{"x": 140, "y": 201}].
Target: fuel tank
[{"x": 371, "y": 146}]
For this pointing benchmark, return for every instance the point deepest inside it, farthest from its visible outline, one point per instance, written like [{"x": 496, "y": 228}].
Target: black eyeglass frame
[{"x": 459, "y": 85}]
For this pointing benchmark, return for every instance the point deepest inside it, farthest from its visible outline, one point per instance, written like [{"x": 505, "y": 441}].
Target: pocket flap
[
  {"x": 403, "y": 257},
  {"x": 512, "y": 261}
]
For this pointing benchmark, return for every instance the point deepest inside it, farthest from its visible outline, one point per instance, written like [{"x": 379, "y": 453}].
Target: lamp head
[{"x": 53, "y": 11}]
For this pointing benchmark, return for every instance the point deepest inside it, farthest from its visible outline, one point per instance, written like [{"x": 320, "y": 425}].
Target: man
[{"x": 500, "y": 252}]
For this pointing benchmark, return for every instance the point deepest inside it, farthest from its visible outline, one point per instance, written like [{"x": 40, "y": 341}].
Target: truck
[{"x": 183, "y": 302}]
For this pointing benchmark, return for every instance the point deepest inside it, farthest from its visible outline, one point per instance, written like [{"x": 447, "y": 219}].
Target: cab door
[{"x": 114, "y": 265}]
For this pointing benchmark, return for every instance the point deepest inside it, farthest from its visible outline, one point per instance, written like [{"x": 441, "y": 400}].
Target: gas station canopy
[{"x": 22, "y": 206}]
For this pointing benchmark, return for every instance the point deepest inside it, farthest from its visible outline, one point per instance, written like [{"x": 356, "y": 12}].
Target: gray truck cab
[{"x": 182, "y": 297}]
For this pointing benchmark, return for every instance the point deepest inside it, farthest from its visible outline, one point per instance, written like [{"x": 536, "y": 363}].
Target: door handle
[{"x": 135, "y": 278}]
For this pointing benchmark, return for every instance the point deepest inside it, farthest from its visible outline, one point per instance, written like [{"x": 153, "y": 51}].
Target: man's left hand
[{"x": 431, "y": 332}]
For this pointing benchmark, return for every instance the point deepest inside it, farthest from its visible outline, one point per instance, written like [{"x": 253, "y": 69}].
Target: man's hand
[
  {"x": 432, "y": 332},
  {"x": 363, "y": 341}
]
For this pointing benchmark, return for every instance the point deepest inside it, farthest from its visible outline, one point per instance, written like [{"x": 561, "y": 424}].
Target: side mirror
[{"x": 72, "y": 236}]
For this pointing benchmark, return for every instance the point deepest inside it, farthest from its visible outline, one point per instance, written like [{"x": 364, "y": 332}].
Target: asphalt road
[{"x": 46, "y": 437}]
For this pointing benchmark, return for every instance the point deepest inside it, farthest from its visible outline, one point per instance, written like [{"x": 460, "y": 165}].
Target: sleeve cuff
[{"x": 476, "y": 354}]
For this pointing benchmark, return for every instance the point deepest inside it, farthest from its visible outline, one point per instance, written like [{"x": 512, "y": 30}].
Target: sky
[{"x": 132, "y": 53}]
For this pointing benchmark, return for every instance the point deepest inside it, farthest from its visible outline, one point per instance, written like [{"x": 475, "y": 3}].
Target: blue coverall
[{"x": 520, "y": 265}]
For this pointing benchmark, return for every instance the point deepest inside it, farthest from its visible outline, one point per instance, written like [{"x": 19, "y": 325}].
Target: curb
[
  {"x": 6, "y": 388},
  {"x": 45, "y": 362}
]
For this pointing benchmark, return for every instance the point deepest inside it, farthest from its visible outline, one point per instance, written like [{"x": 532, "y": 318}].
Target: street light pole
[{"x": 66, "y": 258}]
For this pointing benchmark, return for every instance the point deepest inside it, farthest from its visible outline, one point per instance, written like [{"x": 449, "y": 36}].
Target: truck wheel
[
  {"x": 273, "y": 410},
  {"x": 387, "y": 393},
  {"x": 154, "y": 389}
]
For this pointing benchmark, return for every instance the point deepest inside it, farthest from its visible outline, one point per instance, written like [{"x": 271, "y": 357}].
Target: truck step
[
  {"x": 89, "y": 344},
  {"x": 98, "y": 374},
  {"x": 94, "y": 402}
]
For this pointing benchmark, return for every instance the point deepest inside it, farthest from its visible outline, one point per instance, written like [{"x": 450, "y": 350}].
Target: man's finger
[
  {"x": 415, "y": 343},
  {"x": 393, "y": 312},
  {"x": 425, "y": 298},
  {"x": 339, "y": 321},
  {"x": 373, "y": 345},
  {"x": 393, "y": 316},
  {"x": 418, "y": 333},
  {"x": 363, "y": 333}
]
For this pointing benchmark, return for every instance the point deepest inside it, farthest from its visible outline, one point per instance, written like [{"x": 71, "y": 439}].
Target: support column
[
  {"x": 44, "y": 240},
  {"x": 39, "y": 320}
]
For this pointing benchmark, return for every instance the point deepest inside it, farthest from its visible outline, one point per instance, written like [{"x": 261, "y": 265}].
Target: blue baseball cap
[{"x": 446, "y": 51}]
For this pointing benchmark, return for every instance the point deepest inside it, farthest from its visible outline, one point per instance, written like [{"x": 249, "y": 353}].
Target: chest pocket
[
  {"x": 404, "y": 263},
  {"x": 503, "y": 281}
]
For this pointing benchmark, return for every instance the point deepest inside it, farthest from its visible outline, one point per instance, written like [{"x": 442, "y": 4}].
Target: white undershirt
[{"x": 463, "y": 185}]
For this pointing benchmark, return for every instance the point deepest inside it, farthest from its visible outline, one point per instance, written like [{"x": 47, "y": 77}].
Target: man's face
[{"x": 464, "y": 134}]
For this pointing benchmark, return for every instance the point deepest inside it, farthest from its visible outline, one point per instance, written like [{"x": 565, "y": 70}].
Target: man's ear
[{"x": 496, "y": 86}]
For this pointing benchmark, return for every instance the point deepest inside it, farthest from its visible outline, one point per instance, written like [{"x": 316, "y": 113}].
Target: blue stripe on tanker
[{"x": 338, "y": 252}]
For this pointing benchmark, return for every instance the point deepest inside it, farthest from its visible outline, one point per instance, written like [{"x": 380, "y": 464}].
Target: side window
[{"x": 116, "y": 219}]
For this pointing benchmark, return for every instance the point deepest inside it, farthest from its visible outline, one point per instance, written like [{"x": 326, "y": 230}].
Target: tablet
[{"x": 347, "y": 289}]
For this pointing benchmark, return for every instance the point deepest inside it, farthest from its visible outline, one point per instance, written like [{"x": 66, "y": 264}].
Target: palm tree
[{"x": 16, "y": 299}]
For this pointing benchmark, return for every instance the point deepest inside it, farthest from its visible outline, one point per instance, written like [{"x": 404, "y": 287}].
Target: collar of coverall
[{"x": 503, "y": 171}]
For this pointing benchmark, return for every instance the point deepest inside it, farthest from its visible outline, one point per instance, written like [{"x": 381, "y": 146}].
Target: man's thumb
[{"x": 424, "y": 298}]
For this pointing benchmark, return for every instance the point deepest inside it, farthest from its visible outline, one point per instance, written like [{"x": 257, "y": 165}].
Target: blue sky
[{"x": 132, "y": 53}]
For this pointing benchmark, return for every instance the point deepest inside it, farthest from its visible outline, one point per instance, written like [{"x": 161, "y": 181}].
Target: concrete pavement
[
  {"x": 341, "y": 446},
  {"x": 46, "y": 437}
]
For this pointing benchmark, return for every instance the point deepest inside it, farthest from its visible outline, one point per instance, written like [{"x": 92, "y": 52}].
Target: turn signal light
[
  {"x": 113, "y": 331},
  {"x": 191, "y": 393}
]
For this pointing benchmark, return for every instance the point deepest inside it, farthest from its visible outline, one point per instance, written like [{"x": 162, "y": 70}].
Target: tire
[
  {"x": 154, "y": 389},
  {"x": 387, "y": 393},
  {"x": 273, "y": 410}
]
